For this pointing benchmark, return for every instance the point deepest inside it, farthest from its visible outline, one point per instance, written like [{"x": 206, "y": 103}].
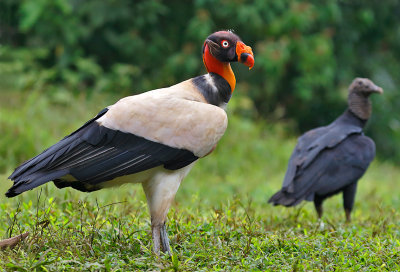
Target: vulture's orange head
[
  {"x": 220, "y": 49},
  {"x": 226, "y": 46}
]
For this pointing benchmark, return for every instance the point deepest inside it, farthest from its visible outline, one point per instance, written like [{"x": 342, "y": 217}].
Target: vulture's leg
[
  {"x": 160, "y": 239},
  {"x": 164, "y": 239},
  {"x": 160, "y": 192},
  {"x": 349, "y": 194},
  {"x": 155, "y": 233},
  {"x": 318, "y": 205}
]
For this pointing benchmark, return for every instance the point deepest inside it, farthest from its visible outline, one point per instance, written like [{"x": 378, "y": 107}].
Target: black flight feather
[{"x": 94, "y": 154}]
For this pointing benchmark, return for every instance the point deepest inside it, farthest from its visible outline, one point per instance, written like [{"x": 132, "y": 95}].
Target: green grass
[{"x": 220, "y": 220}]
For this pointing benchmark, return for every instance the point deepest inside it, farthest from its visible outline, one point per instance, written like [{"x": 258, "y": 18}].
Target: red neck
[{"x": 221, "y": 68}]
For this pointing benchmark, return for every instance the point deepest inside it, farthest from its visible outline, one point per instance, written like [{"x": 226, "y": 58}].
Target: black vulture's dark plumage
[{"x": 330, "y": 159}]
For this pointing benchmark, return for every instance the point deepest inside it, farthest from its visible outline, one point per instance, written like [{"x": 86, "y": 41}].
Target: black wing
[
  {"x": 94, "y": 154},
  {"x": 315, "y": 141},
  {"x": 330, "y": 171}
]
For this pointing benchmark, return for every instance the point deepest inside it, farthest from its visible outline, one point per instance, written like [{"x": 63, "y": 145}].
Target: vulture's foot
[
  {"x": 160, "y": 239},
  {"x": 321, "y": 224},
  {"x": 319, "y": 210},
  {"x": 348, "y": 215}
]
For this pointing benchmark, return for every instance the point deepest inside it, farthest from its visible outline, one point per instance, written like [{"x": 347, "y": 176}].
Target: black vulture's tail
[{"x": 284, "y": 198}]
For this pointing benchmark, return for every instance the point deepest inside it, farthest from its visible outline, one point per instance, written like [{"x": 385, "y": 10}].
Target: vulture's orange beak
[{"x": 245, "y": 54}]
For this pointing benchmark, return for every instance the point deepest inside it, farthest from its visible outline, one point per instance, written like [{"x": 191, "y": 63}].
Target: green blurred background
[
  {"x": 62, "y": 61},
  {"x": 307, "y": 53}
]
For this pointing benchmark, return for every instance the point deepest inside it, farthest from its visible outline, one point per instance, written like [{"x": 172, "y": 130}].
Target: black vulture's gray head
[
  {"x": 359, "y": 91},
  {"x": 364, "y": 86}
]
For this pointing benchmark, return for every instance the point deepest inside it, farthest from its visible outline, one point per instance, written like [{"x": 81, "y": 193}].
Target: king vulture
[
  {"x": 153, "y": 138},
  {"x": 331, "y": 159}
]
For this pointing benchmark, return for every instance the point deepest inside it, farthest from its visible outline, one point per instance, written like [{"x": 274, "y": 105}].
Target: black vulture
[{"x": 331, "y": 159}]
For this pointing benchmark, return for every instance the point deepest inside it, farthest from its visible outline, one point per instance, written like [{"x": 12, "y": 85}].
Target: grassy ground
[{"x": 220, "y": 220}]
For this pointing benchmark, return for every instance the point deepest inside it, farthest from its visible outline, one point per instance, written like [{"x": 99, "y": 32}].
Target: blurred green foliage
[{"x": 307, "y": 52}]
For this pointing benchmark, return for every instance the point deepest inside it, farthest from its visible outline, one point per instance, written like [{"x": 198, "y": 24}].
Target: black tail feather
[
  {"x": 285, "y": 199},
  {"x": 90, "y": 156},
  {"x": 38, "y": 170},
  {"x": 34, "y": 181}
]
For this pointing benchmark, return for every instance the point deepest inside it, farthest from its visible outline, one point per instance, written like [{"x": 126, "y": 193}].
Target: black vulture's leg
[
  {"x": 318, "y": 205},
  {"x": 349, "y": 194}
]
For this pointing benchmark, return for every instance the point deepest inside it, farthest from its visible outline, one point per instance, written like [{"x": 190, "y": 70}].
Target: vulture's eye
[{"x": 225, "y": 43}]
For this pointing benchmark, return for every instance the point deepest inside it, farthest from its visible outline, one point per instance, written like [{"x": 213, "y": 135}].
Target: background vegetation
[
  {"x": 61, "y": 61},
  {"x": 307, "y": 52}
]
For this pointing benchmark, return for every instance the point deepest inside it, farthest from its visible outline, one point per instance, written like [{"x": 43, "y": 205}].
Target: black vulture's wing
[
  {"x": 312, "y": 143},
  {"x": 300, "y": 153},
  {"x": 330, "y": 171}
]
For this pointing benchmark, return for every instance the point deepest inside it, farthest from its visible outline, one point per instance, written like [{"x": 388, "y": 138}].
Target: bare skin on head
[{"x": 358, "y": 99}]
